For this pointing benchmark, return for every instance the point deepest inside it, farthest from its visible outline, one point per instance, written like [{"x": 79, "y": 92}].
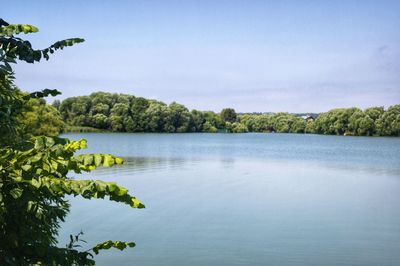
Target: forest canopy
[{"x": 128, "y": 113}]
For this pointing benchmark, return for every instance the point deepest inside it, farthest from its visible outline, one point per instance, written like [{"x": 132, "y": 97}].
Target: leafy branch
[
  {"x": 34, "y": 172},
  {"x": 44, "y": 167},
  {"x": 10, "y": 30}
]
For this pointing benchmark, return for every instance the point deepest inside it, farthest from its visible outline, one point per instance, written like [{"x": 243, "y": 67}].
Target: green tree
[
  {"x": 100, "y": 108},
  {"x": 99, "y": 121},
  {"x": 214, "y": 119},
  {"x": 263, "y": 123},
  {"x": 228, "y": 115},
  {"x": 208, "y": 127},
  {"x": 138, "y": 109},
  {"x": 281, "y": 122},
  {"x": 335, "y": 121},
  {"x": 34, "y": 172},
  {"x": 178, "y": 118},
  {"x": 197, "y": 121},
  {"x": 118, "y": 112},
  {"x": 298, "y": 125},
  {"x": 374, "y": 112},
  {"x": 74, "y": 110},
  {"x": 249, "y": 121},
  {"x": 310, "y": 127},
  {"x": 39, "y": 118},
  {"x": 155, "y": 115},
  {"x": 236, "y": 127},
  {"x": 389, "y": 122},
  {"x": 56, "y": 104}
]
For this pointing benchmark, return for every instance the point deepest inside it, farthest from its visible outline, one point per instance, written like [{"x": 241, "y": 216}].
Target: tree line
[
  {"x": 373, "y": 121},
  {"x": 127, "y": 113}
]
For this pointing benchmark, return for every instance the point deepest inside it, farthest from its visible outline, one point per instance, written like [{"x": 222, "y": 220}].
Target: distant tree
[
  {"x": 197, "y": 120},
  {"x": 178, "y": 118},
  {"x": 310, "y": 127},
  {"x": 366, "y": 126},
  {"x": 214, "y": 119},
  {"x": 56, "y": 104},
  {"x": 298, "y": 125},
  {"x": 99, "y": 108},
  {"x": 282, "y": 122},
  {"x": 138, "y": 109},
  {"x": 39, "y": 118},
  {"x": 100, "y": 121},
  {"x": 208, "y": 127},
  {"x": 374, "y": 112},
  {"x": 129, "y": 124},
  {"x": 228, "y": 115},
  {"x": 121, "y": 112},
  {"x": 118, "y": 113},
  {"x": 335, "y": 121},
  {"x": 237, "y": 127},
  {"x": 156, "y": 115},
  {"x": 102, "y": 98},
  {"x": 389, "y": 122},
  {"x": 263, "y": 123}
]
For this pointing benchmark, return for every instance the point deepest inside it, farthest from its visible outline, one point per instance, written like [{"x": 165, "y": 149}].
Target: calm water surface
[{"x": 246, "y": 199}]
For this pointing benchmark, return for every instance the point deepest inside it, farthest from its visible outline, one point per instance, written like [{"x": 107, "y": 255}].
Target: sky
[{"x": 254, "y": 56}]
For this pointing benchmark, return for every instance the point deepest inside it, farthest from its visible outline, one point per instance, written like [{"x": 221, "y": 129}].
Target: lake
[{"x": 246, "y": 199}]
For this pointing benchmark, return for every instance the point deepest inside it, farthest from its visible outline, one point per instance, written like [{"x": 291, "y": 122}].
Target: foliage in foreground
[
  {"x": 33, "y": 185},
  {"x": 34, "y": 171}
]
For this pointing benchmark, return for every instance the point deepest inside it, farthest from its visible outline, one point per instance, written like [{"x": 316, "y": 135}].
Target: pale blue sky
[{"x": 296, "y": 56}]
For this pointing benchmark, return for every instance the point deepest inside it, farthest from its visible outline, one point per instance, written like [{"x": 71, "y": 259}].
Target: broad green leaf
[
  {"x": 108, "y": 160},
  {"x": 97, "y": 159},
  {"x": 26, "y": 167},
  {"x": 36, "y": 183},
  {"x": 87, "y": 159},
  {"x": 119, "y": 160},
  {"x": 36, "y": 157},
  {"x": 112, "y": 244},
  {"x": 16, "y": 193},
  {"x": 10, "y": 30}
]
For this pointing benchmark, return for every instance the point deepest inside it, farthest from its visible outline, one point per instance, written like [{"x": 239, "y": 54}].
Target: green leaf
[
  {"x": 121, "y": 191},
  {"x": 16, "y": 193},
  {"x": 112, "y": 244},
  {"x": 12, "y": 29},
  {"x": 119, "y": 160},
  {"x": 137, "y": 204},
  {"x": 97, "y": 159},
  {"x": 87, "y": 159},
  {"x": 36, "y": 183},
  {"x": 83, "y": 144},
  {"x": 36, "y": 157},
  {"x": 39, "y": 143},
  {"x": 108, "y": 160},
  {"x": 43, "y": 93},
  {"x": 26, "y": 167}
]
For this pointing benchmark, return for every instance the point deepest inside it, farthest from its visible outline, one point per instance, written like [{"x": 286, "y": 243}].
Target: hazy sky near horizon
[{"x": 296, "y": 56}]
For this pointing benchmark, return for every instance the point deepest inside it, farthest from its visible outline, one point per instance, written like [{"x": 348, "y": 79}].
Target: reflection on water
[
  {"x": 248, "y": 200},
  {"x": 377, "y": 153},
  {"x": 136, "y": 165}
]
